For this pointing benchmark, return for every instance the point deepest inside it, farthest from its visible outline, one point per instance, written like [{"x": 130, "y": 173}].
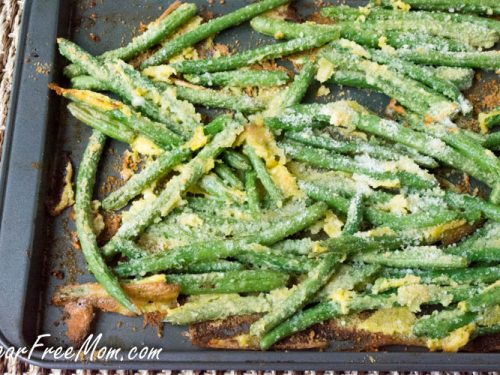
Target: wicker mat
[{"x": 10, "y": 15}]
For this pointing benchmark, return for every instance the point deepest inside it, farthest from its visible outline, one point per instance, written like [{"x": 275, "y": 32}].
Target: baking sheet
[{"x": 36, "y": 255}]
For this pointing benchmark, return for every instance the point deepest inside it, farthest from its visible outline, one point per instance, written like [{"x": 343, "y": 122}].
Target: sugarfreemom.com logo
[{"x": 90, "y": 350}]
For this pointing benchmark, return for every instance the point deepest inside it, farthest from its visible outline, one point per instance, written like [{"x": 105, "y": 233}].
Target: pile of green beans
[{"x": 301, "y": 213}]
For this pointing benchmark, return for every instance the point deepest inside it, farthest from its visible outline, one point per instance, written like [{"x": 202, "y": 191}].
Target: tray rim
[{"x": 207, "y": 359}]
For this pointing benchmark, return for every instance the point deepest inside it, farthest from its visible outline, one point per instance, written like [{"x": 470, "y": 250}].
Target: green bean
[
  {"x": 130, "y": 249},
  {"x": 236, "y": 160},
  {"x": 410, "y": 93},
  {"x": 283, "y": 228},
  {"x": 424, "y": 143},
  {"x": 425, "y": 257},
  {"x": 217, "y": 99},
  {"x": 171, "y": 194},
  {"x": 102, "y": 122},
  {"x": 295, "y": 120},
  {"x": 193, "y": 94},
  {"x": 485, "y": 7},
  {"x": 493, "y": 141},
  {"x": 367, "y": 35},
  {"x": 331, "y": 308},
  {"x": 84, "y": 189},
  {"x": 489, "y": 119},
  {"x": 495, "y": 194},
  {"x": 85, "y": 82},
  {"x": 217, "y": 226},
  {"x": 124, "y": 81},
  {"x": 179, "y": 258},
  {"x": 321, "y": 158},
  {"x": 374, "y": 36},
  {"x": 281, "y": 29},
  {"x": 220, "y": 306},
  {"x": 151, "y": 173},
  {"x": 182, "y": 257},
  {"x": 213, "y": 207},
  {"x": 441, "y": 323},
  {"x": 215, "y": 266},
  {"x": 303, "y": 246},
  {"x": 156, "y": 132},
  {"x": 210, "y": 28},
  {"x": 140, "y": 181},
  {"x": 490, "y": 296},
  {"x": 213, "y": 185},
  {"x": 457, "y": 138},
  {"x": 337, "y": 182},
  {"x": 488, "y": 60},
  {"x": 460, "y": 77},
  {"x": 242, "y": 281},
  {"x": 463, "y": 276},
  {"x": 140, "y": 89},
  {"x": 470, "y": 203},
  {"x": 277, "y": 261},
  {"x": 345, "y": 13},
  {"x": 352, "y": 244},
  {"x": 252, "y": 192},
  {"x": 228, "y": 176},
  {"x": 355, "y": 146},
  {"x": 429, "y": 217},
  {"x": 424, "y": 75},
  {"x": 323, "y": 194},
  {"x": 303, "y": 293},
  {"x": 319, "y": 313},
  {"x": 240, "y": 78},
  {"x": 265, "y": 178},
  {"x": 250, "y": 57},
  {"x": 483, "y": 245},
  {"x": 298, "y": 88},
  {"x": 481, "y": 37},
  {"x": 156, "y": 31},
  {"x": 483, "y": 331},
  {"x": 346, "y": 77},
  {"x": 349, "y": 277},
  {"x": 354, "y": 215}
]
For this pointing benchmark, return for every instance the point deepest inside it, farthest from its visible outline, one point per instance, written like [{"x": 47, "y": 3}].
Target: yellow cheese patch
[
  {"x": 91, "y": 98},
  {"x": 322, "y": 91},
  {"x": 160, "y": 72},
  {"x": 398, "y": 205},
  {"x": 412, "y": 296},
  {"x": 318, "y": 249},
  {"x": 489, "y": 316},
  {"x": 325, "y": 70},
  {"x": 145, "y": 146},
  {"x": 396, "y": 320},
  {"x": 286, "y": 182},
  {"x": 98, "y": 224},
  {"x": 264, "y": 144},
  {"x": 436, "y": 233},
  {"x": 332, "y": 225},
  {"x": 454, "y": 341},
  {"x": 343, "y": 297},
  {"x": 401, "y": 5},
  {"x": 190, "y": 220},
  {"x": 383, "y": 284},
  {"x": 198, "y": 140},
  {"x": 381, "y": 231}
]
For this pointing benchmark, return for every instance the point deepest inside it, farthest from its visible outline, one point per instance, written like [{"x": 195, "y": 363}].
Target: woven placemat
[{"x": 10, "y": 20}]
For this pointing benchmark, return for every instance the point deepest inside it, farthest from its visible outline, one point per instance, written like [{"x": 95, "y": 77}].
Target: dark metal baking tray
[{"x": 34, "y": 246}]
